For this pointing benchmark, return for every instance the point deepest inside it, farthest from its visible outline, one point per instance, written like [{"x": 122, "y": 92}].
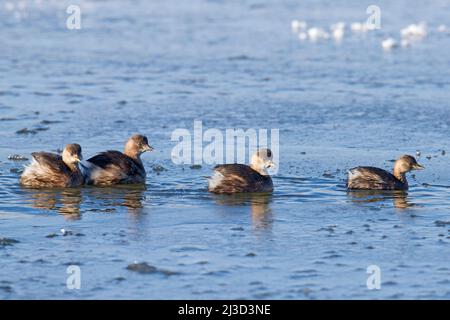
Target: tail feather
[{"x": 215, "y": 180}]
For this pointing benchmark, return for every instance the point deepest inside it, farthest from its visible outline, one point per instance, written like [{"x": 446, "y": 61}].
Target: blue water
[{"x": 154, "y": 66}]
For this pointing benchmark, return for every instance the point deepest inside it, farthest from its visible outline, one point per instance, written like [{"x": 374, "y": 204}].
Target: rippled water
[{"x": 152, "y": 67}]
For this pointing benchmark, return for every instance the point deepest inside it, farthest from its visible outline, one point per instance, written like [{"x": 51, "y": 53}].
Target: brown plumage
[
  {"x": 371, "y": 178},
  {"x": 52, "y": 170},
  {"x": 114, "y": 167},
  {"x": 235, "y": 178}
]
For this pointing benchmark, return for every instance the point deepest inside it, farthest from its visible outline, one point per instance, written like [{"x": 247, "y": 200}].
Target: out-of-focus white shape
[
  {"x": 338, "y": 30},
  {"x": 338, "y": 34},
  {"x": 405, "y": 43},
  {"x": 442, "y": 28},
  {"x": 389, "y": 44},
  {"x": 297, "y": 26},
  {"x": 358, "y": 27},
  {"x": 338, "y": 25},
  {"x": 414, "y": 31},
  {"x": 315, "y": 34},
  {"x": 302, "y": 36},
  {"x": 9, "y": 6}
]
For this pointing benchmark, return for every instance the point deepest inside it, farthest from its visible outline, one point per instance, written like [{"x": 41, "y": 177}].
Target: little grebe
[
  {"x": 114, "y": 167},
  {"x": 234, "y": 178},
  {"x": 52, "y": 170},
  {"x": 371, "y": 178}
]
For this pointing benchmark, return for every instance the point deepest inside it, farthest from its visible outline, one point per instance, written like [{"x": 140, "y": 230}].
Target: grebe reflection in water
[
  {"x": 66, "y": 202},
  {"x": 399, "y": 198},
  {"x": 129, "y": 196},
  {"x": 258, "y": 203}
]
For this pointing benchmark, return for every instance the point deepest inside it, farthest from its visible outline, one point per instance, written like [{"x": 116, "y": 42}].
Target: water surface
[{"x": 152, "y": 67}]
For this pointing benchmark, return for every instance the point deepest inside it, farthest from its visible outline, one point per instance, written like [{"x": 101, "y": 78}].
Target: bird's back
[
  {"x": 372, "y": 178},
  {"x": 233, "y": 178},
  {"x": 46, "y": 170},
  {"x": 114, "y": 167}
]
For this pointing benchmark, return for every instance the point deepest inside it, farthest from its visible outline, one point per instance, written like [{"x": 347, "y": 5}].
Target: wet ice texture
[{"x": 157, "y": 66}]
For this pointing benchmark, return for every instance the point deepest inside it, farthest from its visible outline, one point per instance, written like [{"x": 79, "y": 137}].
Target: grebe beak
[
  {"x": 418, "y": 166},
  {"x": 147, "y": 148}
]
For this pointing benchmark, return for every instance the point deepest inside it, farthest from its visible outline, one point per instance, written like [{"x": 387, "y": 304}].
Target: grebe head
[
  {"x": 137, "y": 145},
  {"x": 406, "y": 163},
  {"x": 72, "y": 154},
  {"x": 262, "y": 160}
]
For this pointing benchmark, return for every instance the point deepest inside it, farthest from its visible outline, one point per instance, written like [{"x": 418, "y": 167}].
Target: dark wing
[
  {"x": 237, "y": 169},
  {"x": 117, "y": 168},
  {"x": 51, "y": 161},
  {"x": 115, "y": 160},
  {"x": 240, "y": 178},
  {"x": 371, "y": 178}
]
